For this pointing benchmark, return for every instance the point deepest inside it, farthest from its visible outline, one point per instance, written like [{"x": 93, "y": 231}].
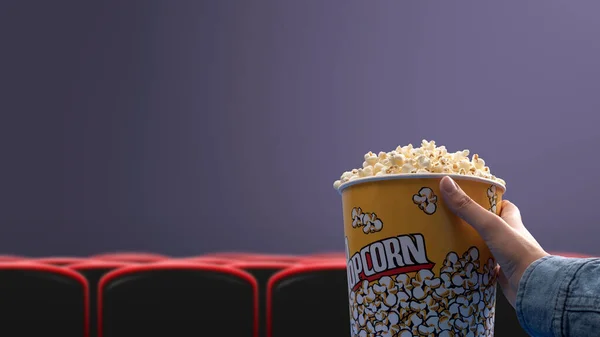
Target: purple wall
[{"x": 203, "y": 125}]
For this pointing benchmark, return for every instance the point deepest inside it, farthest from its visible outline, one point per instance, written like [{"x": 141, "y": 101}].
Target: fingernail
[{"x": 448, "y": 185}]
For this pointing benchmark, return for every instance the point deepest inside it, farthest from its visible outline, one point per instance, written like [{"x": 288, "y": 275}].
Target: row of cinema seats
[
  {"x": 225, "y": 294},
  {"x": 131, "y": 294}
]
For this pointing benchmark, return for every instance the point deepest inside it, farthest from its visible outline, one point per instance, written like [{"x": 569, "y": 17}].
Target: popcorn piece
[
  {"x": 478, "y": 162},
  {"x": 428, "y": 158},
  {"x": 337, "y": 184},
  {"x": 423, "y": 162},
  {"x": 371, "y": 158},
  {"x": 397, "y": 158},
  {"x": 378, "y": 167},
  {"x": 407, "y": 168}
]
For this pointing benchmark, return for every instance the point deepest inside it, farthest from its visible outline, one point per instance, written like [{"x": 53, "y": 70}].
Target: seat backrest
[
  {"x": 38, "y": 299},
  {"x": 131, "y": 257},
  {"x": 262, "y": 272},
  {"x": 309, "y": 300},
  {"x": 177, "y": 298},
  {"x": 60, "y": 260},
  {"x": 93, "y": 271}
]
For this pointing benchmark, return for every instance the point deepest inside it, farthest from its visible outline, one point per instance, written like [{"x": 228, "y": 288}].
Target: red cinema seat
[
  {"x": 60, "y": 260},
  {"x": 131, "y": 257},
  {"x": 42, "y": 300},
  {"x": 262, "y": 272},
  {"x": 177, "y": 298},
  {"x": 93, "y": 271},
  {"x": 309, "y": 300}
]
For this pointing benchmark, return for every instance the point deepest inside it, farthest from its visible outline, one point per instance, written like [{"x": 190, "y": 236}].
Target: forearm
[{"x": 560, "y": 296}]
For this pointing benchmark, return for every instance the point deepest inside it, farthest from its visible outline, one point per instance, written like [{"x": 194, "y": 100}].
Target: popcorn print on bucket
[
  {"x": 426, "y": 200},
  {"x": 369, "y": 222},
  {"x": 492, "y": 197},
  {"x": 460, "y": 302}
]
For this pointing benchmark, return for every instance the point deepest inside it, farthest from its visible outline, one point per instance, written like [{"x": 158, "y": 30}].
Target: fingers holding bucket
[
  {"x": 486, "y": 223},
  {"x": 510, "y": 213},
  {"x": 511, "y": 244}
]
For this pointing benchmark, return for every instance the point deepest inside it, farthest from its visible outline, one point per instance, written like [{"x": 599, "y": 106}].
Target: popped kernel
[{"x": 428, "y": 158}]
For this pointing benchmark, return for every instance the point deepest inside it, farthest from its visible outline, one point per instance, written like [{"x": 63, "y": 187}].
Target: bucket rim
[{"x": 401, "y": 176}]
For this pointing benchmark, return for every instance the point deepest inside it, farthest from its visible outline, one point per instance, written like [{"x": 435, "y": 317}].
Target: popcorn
[
  {"x": 460, "y": 302},
  {"x": 371, "y": 158},
  {"x": 426, "y": 159}
]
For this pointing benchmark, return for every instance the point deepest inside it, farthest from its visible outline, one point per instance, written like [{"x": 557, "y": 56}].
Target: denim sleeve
[{"x": 560, "y": 297}]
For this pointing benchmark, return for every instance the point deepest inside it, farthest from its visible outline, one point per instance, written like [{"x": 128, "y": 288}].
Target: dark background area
[{"x": 182, "y": 127}]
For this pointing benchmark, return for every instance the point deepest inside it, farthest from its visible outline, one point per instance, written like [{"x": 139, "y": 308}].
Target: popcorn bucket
[{"x": 413, "y": 267}]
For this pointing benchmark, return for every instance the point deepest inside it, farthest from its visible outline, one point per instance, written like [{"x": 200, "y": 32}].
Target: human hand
[{"x": 509, "y": 241}]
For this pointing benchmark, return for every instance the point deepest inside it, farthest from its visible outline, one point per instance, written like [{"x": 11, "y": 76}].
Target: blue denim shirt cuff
[{"x": 542, "y": 295}]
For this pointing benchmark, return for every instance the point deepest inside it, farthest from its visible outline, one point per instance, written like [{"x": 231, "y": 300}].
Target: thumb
[{"x": 486, "y": 223}]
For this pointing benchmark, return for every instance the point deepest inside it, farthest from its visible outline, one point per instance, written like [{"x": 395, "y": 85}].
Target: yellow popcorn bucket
[{"x": 414, "y": 268}]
